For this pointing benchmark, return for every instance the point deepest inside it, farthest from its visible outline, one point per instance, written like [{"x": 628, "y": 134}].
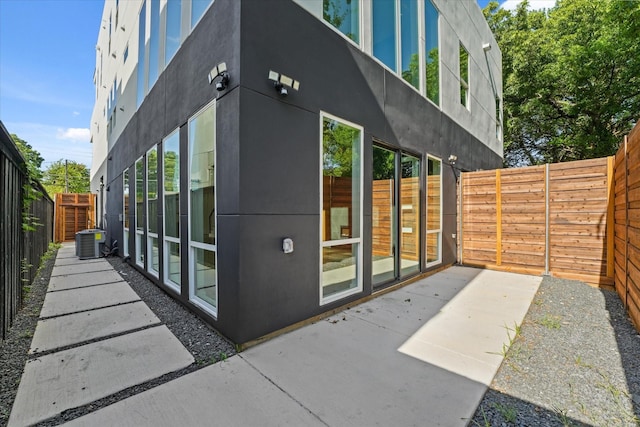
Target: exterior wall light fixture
[
  {"x": 486, "y": 47},
  {"x": 220, "y": 76},
  {"x": 281, "y": 82},
  {"x": 452, "y": 159}
]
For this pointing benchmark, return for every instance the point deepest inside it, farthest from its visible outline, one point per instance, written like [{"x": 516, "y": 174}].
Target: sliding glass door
[{"x": 395, "y": 215}]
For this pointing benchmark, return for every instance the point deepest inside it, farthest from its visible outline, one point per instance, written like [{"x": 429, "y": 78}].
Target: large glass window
[
  {"x": 432, "y": 56},
  {"x": 409, "y": 37},
  {"x": 341, "y": 216},
  {"x": 384, "y": 32},
  {"x": 384, "y": 221},
  {"x": 142, "y": 87},
  {"x": 173, "y": 29},
  {"x": 139, "y": 213},
  {"x": 202, "y": 205},
  {"x": 197, "y": 10},
  {"x": 171, "y": 177},
  {"x": 154, "y": 42},
  {"x": 125, "y": 210},
  {"x": 410, "y": 214},
  {"x": 344, "y": 15},
  {"x": 434, "y": 210},
  {"x": 152, "y": 211},
  {"x": 464, "y": 76}
]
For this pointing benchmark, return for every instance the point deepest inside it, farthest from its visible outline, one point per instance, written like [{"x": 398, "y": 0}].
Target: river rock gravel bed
[{"x": 575, "y": 361}]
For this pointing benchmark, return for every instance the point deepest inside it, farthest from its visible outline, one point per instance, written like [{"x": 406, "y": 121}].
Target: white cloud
[
  {"x": 533, "y": 4},
  {"x": 49, "y": 142},
  {"x": 74, "y": 134},
  {"x": 75, "y": 113}
]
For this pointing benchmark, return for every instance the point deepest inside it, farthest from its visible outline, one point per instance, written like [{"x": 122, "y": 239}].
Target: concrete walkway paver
[
  {"x": 60, "y": 283},
  {"x": 77, "y": 310},
  {"x": 230, "y": 393},
  {"x": 75, "y": 300},
  {"x": 62, "y": 331},
  {"x": 66, "y": 379},
  {"x": 383, "y": 362},
  {"x": 84, "y": 267}
]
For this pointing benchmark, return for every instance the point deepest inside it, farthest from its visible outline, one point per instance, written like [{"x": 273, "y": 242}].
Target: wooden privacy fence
[
  {"x": 553, "y": 219},
  {"x": 20, "y": 250},
  {"x": 627, "y": 224},
  {"x": 74, "y": 212}
]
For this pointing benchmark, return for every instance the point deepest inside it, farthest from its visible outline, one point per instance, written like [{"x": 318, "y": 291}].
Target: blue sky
[{"x": 47, "y": 60}]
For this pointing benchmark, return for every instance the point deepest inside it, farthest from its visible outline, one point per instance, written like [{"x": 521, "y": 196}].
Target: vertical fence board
[
  {"x": 21, "y": 250},
  {"x": 627, "y": 224}
]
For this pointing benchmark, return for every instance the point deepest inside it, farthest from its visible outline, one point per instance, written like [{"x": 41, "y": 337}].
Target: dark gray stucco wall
[
  {"x": 280, "y": 156},
  {"x": 268, "y": 152}
]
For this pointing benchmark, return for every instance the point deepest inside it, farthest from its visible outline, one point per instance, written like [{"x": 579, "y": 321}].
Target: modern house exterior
[{"x": 267, "y": 161}]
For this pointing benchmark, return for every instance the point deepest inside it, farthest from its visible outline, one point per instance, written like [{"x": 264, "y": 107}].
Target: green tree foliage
[
  {"x": 571, "y": 78},
  {"x": 33, "y": 161},
  {"x": 33, "y": 158},
  {"x": 338, "y": 141},
  {"x": 56, "y": 175}
]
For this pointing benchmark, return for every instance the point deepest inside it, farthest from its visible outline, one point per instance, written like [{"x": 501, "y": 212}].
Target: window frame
[
  {"x": 194, "y": 245},
  {"x": 126, "y": 208},
  {"x": 438, "y": 261},
  {"x": 350, "y": 241},
  {"x": 359, "y": 43},
  {"x": 464, "y": 83},
  {"x": 167, "y": 240},
  {"x": 149, "y": 234},
  {"x": 139, "y": 231}
]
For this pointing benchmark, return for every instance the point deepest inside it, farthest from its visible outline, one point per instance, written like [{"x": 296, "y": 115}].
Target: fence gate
[{"x": 74, "y": 212}]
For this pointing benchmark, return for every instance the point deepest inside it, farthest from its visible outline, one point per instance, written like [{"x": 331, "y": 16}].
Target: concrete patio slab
[
  {"x": 81, "y": 299},
  {"x": 230, "y": 393},
  {"x": 67, "y": 379},
  {"x": 59, "y": 283},
  {"x": 76, "y": 328},
  {"x": 80, "y": 267},
  {"x": 350, "y": 373},
  {"x": 471, "y": 333},
  {"x": 76, "y": 260}
]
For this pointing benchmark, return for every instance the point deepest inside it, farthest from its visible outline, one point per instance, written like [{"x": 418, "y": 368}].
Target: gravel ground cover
[
  {"x": 575, "y": 361},
  {"x": 202, "y": 342}
]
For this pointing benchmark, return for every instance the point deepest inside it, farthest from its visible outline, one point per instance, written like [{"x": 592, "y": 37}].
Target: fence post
[
  {"x": 626, "y": 222},
  {"x": 611, "y": 194},
  {"x": 546, "y": 219},
  {"x": 460, "y": 220},
  {"x": 498, "y": 219}
]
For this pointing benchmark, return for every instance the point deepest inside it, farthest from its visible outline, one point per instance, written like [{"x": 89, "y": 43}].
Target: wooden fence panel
[
  {"x": 551, "y": 218},
  {"x": 478, "y": 222},
  {"x": 627, "y": 224},
  {"x": 20, "y": 250},
  {"x": 578, "y": 219}
]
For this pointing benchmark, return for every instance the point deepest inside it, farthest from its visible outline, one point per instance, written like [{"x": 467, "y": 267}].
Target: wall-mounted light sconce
[
  {"x": 452, "y": 159},
  {"x": 114, "y": 54},
  {"x": 122, "y": 27},
  {"x": 110, "y": 157},
  {"x": 122, "y": 109},
  {"x": 97, "y": 47},
  {"x": 219, "y": 75},
  {"x": 281, "y": 82},
  {"x": 486, "y": 47},
  {"x": 108, "y": 188}
]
